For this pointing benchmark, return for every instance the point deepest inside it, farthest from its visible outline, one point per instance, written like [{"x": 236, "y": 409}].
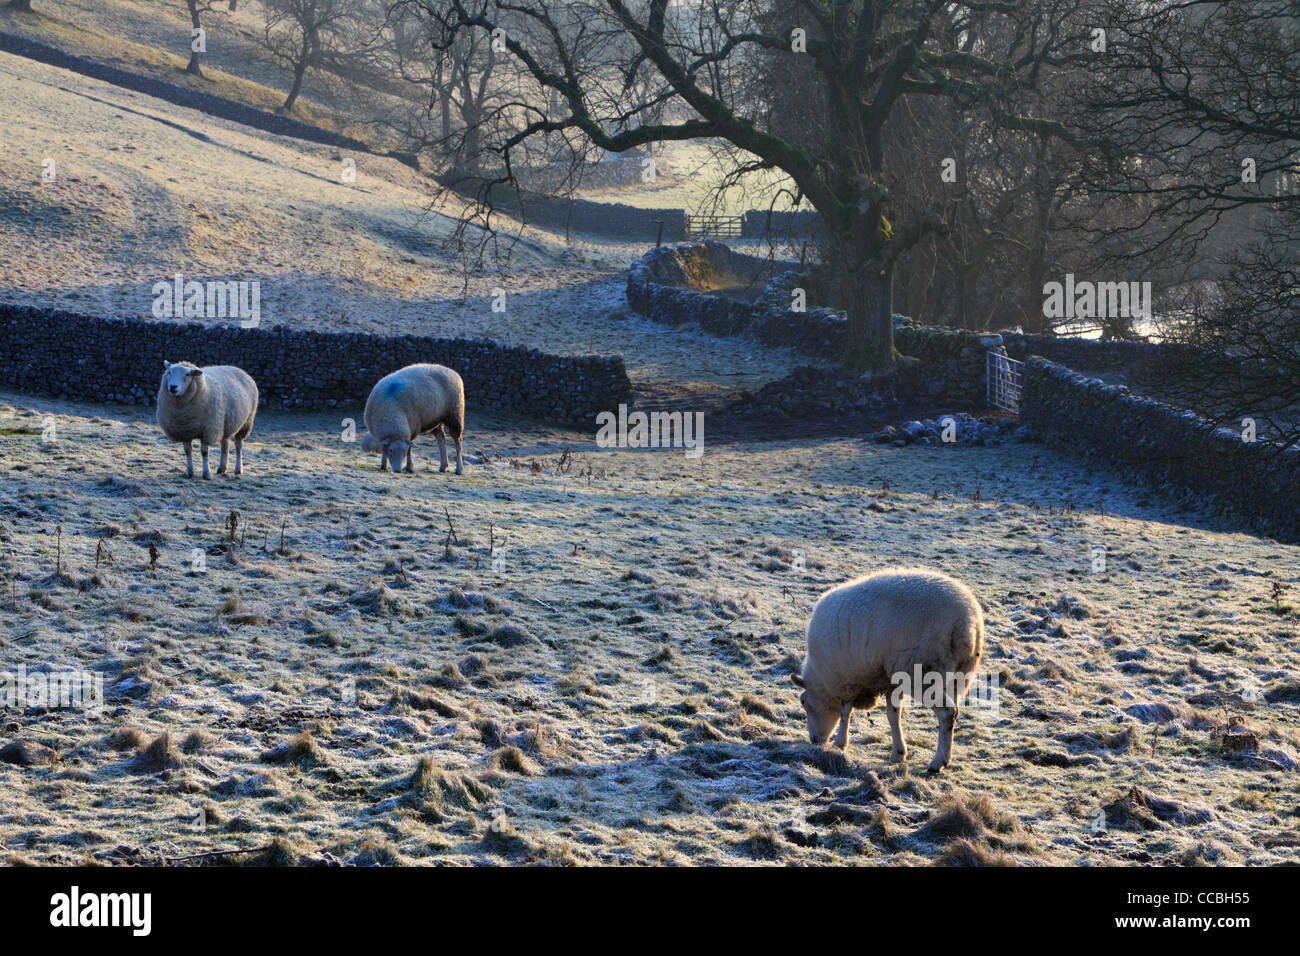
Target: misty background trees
[
  {"x": 960, "y": 155},
  {"x": 812, "y": 89}
]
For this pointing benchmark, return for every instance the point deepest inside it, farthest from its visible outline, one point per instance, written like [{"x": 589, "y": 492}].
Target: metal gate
[
  {"x": 1005, "y": 376},
  {"x": 715, "y": 227}
]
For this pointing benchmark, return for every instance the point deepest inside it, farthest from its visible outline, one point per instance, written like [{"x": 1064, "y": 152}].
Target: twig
[
  {"x": 101, "y": 548},
  {"x": 213, "y": 853},
  {"x": 543, "y": 604}
]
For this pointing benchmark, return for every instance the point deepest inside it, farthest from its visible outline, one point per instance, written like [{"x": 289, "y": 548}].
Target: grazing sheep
[
  {"x": 213, "y": 404},
  {"x": 410, "y": 402},
  {"x": 898, "y": 632}
]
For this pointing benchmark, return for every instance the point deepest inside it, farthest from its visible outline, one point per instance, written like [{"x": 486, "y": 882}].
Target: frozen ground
[
  {"x": 594, "y": 668},
  {"x": 615, "y": 688},
  {"x": 145, "y": 190}
]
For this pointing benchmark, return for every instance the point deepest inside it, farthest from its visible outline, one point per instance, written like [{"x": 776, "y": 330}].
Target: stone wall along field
[
  {"x": 961, "y": 357},
  {"x": 83, "y": 358},
  {"x": 670, "y": 285},
  {"x": 613, "y": 218},
  {"x": 562, "y": 213},
  {"x": 1098, "y": 354},
  {"x": 1169, "y": 447}
]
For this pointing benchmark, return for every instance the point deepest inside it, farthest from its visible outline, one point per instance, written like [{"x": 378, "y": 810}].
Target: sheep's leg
[
  {"x": 947, "y": 719},
  {"x": 842, "y": 735},
  {"x": 442, "y": 449},
  {"x": 189, "y": 459},
  {"x": 900, "y": 746},
  {"x": 239, "y": 456},
  {"x": 455, "y": 437},
  {"x": 203, "y": 450},
  {"x": 225, "y": 456},
  {"x": 410, "y": 459}
]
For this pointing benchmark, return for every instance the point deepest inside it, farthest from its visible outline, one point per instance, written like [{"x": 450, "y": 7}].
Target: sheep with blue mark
[{"x": 413, "y": 401}]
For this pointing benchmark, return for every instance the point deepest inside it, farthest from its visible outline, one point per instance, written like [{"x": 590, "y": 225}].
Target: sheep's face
[
  {"x": 179, "y": 379},
  {"x": 394, "y": 452},
  {"x": 822, "y": 716}
]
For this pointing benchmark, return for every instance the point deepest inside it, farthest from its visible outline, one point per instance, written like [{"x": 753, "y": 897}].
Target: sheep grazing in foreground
[
  {"x": 410, "y": 402},
  {"x": 899, "y": 632},
  {"x": 213, "y": 404}
]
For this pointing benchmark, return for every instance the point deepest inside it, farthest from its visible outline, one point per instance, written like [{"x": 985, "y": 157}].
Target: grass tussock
[
  {"x": 511, "y": 634},
  {"x": 301, "y": 749},
  {"x": 422, "y": 701},
  {"x": 974, "y": 818},
  {"x": 964, "y": 852},
  {"x": 513, "y": 760},
  {"x": 277, "y": 853},
  {"x": 761, "y": 844},
  {"x": 661, "y": 655},
  {"x": 377, "y": 853},
  {"x": 161, "y": 754},
  {"x": 28, "y": 754},
  {"x": 442, "y": 793},
  {"x": 124, "y": 738}
]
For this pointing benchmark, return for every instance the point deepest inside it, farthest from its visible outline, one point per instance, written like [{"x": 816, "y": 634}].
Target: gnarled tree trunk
[
  {"x": 864, "y": 290},
  {"x": 194, "y": 66}
]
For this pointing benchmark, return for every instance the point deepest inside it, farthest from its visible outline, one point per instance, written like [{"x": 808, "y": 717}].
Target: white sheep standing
[
  {"x": 410, "y": 402},
  {"x": 874, "y": 636},
  {"x": 213, "y": 404}
]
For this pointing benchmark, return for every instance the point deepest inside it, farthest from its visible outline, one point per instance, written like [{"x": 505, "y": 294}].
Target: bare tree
[
  {"x": 1204, "y": 98},
  {"x": 196, "y": 9},
  {"x": 867, "y": 57},
  {"x": 303, "y": 34}
]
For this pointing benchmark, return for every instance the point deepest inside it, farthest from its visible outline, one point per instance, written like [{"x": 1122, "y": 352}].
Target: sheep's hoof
[
  {"x": 897, "y": 756},
  {"x": 935, "y": 766},
  {"x": 221, "y": 471},
  {"x": 459, "y": 472},
  {"x": 444, "y": 468}
]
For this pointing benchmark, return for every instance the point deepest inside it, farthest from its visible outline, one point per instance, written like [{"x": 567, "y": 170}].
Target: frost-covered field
[
  {"x": 146, "y": 190},
  {"x": 614, "y": 688},
  {"x": 557, "y": 657}
]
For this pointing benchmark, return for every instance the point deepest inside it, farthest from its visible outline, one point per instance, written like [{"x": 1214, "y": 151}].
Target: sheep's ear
[
  {"x": 196, "y": 371},
  {"x": 166, "y": 364},
  {"x": 798, "y": 680}
]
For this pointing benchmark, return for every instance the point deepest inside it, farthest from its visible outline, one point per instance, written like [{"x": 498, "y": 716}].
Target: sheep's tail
[{"x": 968, "y": 643}]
